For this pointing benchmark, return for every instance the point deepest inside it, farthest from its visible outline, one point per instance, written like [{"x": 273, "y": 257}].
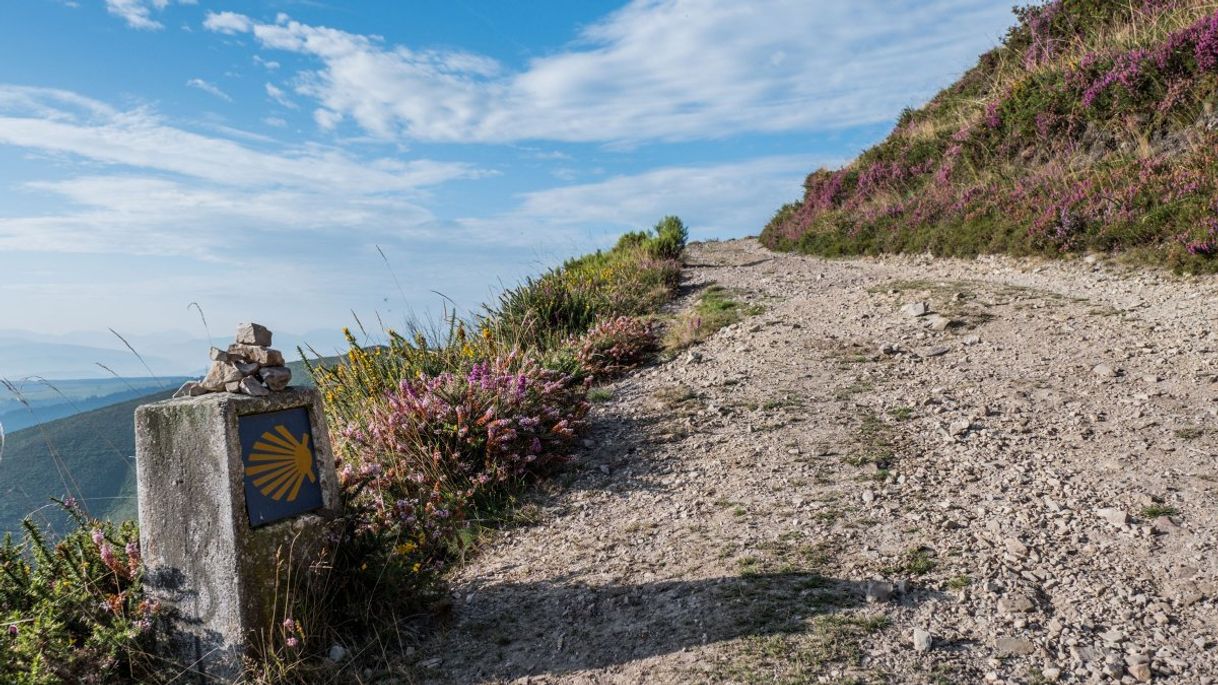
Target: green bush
[
  {"x": 74, "y": 612},
  {"x": 669, "y": 239}
]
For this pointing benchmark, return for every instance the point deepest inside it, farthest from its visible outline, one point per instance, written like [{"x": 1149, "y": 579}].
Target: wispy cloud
[
  {"x": 654, "y": 70},
  {"x": 165, "y": 190},
  {"x": 138, "y": 13},
  {"x": 275, "y": 93},
  {"x": 209, "y": 88}
]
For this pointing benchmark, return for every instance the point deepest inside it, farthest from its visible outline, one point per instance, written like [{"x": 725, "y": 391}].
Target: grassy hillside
[
  {"x": 1092, "y": 127},
  {"x": 39, "y": 402},
  {"x": 89, "y": 455}
]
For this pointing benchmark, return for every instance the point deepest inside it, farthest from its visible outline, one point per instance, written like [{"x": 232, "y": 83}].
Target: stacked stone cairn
[{"x": 249, "y": 367}]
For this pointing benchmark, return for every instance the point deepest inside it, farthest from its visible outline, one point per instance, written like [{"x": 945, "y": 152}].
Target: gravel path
[{"x": 836, "y": 491}]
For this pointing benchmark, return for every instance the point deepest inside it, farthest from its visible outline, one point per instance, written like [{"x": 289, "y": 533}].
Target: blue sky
[{"x": 252, "y": 156}]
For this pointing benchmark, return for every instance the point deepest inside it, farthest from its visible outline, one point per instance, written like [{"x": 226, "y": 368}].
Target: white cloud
[
  {"x": 156, "y": 189},
  {"x": 716, "y": 200},
  {"x": 209, "y": 88},
  {"x": 227, "y": 22},
  {"x": 138, "y": 13},
  {"x": 277, "y": 94},
  {"x": 654, "y": 70}
]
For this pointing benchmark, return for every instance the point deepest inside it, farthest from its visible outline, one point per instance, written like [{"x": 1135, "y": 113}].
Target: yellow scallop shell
[{"x": 279, "y": 464}]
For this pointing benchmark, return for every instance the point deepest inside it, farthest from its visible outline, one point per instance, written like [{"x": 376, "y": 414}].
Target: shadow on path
[{"x": 511, "y": 630}]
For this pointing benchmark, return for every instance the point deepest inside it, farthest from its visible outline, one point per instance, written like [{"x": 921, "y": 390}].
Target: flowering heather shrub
[
  {"x": 432, "y": 455},
  {"x": 74, "y": 612},
  {"x": 617, "y": 345},
  {"x": 1092, "y": 128},
  {"x": 438, "y": 431}
]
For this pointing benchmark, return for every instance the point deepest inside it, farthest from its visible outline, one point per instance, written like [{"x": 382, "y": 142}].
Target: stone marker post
[{"x": 228, "y": 482}]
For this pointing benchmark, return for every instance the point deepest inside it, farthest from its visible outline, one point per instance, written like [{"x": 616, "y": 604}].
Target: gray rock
[
  {"x": 253, "y": 334},
  {"x": 250, "y": 386},
  {"x": 922, "y": 640},
  {"x": 1013, "y": 646},
  {"x": 1114, "y": 516},
  {"x": 233, "y": 386},
  {"x": 218, "y": 355},
  {"x": 1106, "y": 371},
  {"x": 939, "y": 323},
  {"x": 937, "y": 351},
  {"x": 1165, "y": 526},
  {"x": 264, "y": 356},
  {"x": 1052, "y": 674},
  {"x": 276, "y": 377},
  {"x": 878, "y": 592},
  {"x": 915, "y": 309},
  {"x": 1015, "y": 603},
  {"x": 219, "y": 374},
  {"x": 246, "y": 368},
  {"x": 337, "y": 653},
  {"x": 1015, "y": 547},
  {"x": 1140, "y": 672}
]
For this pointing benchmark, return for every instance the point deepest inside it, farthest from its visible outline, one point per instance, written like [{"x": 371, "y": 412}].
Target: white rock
[
  {"x": 1114, "y": 516},
  {"x": 915, "y": 309},
  {"x": 922, "y": 640}
]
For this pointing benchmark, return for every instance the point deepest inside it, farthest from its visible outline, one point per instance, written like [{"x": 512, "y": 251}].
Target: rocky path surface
[{"x": 1019, "y": 485}]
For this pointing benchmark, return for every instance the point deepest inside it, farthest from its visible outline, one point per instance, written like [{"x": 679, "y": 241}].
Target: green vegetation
[
  {"x": 437, "y": 435},
  {"x": 600, "y": 395},
  {"x": 829, "y": 640},
  {"x": 716, "y": 308},
  {"x": 917, "y": 561},
  {"x": 1155, "y": 511},
  {"x": 959, "y": 582},
  {"x": 88, "y": 456},
  {"x": 73, "y": 612},
  {"x": 1093, "y": 127}
]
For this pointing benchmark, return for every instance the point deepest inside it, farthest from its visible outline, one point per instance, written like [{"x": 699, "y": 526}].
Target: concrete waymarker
[{"x": 230, "y": 485}]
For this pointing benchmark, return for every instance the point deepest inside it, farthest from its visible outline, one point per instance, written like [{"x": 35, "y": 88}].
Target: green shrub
[
  {"x": 74, "y": 611},
  {"x": 669, "y": 239}
]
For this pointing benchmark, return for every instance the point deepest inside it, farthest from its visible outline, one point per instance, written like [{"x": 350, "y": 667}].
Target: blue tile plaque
[{"x": 280, "y": 465}]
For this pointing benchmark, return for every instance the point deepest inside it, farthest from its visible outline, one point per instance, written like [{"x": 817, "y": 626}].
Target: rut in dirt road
[{"x": 1015, "y": 485}]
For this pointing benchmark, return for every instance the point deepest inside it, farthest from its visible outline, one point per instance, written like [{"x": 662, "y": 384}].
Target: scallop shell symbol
[{"x": 279, "y": 464}]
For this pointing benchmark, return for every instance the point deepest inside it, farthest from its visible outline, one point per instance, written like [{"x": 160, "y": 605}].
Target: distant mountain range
[
  {"x": 90, "y": 455},
  {"x": 168, "y": 353},
  {"x": 34, "y": 401}
]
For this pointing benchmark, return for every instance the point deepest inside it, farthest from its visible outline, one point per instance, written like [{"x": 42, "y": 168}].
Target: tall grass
[{"x": 438, "y": 431}]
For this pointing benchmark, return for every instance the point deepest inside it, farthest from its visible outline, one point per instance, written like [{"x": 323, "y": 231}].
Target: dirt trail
[{"x": 1034, "y": 487}]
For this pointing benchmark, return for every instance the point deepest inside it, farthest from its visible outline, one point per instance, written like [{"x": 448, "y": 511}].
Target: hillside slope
[
  {"x": 90, "y": 455},
  {"x": 1093, "y": 127}
]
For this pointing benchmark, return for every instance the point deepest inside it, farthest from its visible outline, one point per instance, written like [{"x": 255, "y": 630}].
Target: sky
[{"x": 302, "y": 163}]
